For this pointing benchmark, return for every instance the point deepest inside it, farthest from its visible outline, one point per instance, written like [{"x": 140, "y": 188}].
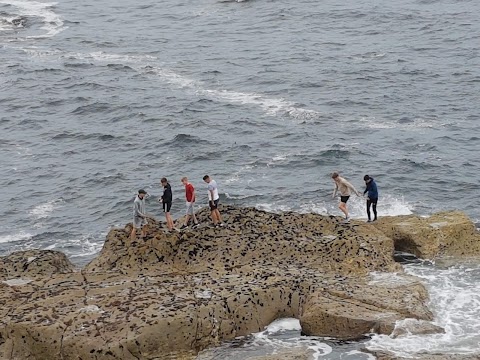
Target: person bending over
[{"x": 345, "y": 189}]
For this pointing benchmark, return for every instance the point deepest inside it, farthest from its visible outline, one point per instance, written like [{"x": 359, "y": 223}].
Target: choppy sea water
[{"x": 99, "y": 99}]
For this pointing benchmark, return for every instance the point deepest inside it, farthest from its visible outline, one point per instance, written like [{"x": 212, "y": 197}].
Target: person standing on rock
[
  {"x": 139, "y": 215},
  {"x": 372, "y": 196},
  {"x": 213, "y": 200},
  {"x": 345, "y": 189},
  {"x": 166, "y": 200},
  {"x": 190, "y": 196}
]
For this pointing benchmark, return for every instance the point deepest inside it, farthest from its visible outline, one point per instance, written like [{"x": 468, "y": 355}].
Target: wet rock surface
[{"x": 175, "y": 293}]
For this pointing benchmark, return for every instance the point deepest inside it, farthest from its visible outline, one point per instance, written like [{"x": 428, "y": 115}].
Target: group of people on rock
[
  {"x": 342, "y": 186},
  {"x": 140, "y": 215},
  {"x": 345, "y": 189}
]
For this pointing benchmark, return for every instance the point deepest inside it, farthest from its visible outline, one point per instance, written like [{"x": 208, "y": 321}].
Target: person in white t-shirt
[{"x": 213, "y": 200}]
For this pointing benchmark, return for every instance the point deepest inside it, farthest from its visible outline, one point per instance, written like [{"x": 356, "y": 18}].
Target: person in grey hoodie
[{"x": 139, "y": 215}]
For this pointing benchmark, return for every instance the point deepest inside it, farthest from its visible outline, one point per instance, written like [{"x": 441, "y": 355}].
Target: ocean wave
[
  {"x": 186, "y": 140},
  {"x": 67, "y": 135},
  {"x": 21, "y": 236}
]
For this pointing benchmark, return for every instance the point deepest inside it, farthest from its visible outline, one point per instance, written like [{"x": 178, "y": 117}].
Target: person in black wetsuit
[
  {"x": 166, "y": 200},
  {"x": 372, "y": 196}
]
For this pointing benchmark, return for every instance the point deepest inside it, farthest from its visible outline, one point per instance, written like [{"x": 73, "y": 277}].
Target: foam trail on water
[{"x": 271, "y": 106}]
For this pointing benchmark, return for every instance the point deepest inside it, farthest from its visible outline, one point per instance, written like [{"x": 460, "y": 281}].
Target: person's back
[
  {"x": 212, "y": 186},
  {"x": 344, "y": 187},
  {"x": 372, "y": 190},
  {"x": 167, "y": 193}
]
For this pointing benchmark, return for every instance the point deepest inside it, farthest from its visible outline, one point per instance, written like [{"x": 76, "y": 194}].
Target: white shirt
[{"x": 212, "y": 186}]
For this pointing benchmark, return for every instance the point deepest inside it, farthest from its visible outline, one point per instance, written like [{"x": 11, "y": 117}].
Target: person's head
[
  {"x": 141, "y": 193},
  {"x": 367, "y": 178},
  {"x": 184, "y": 180},
  {"x": 164, "y": 181},
  {"x": 335, "y": 176},
  {"x": 206, "y": 178}
]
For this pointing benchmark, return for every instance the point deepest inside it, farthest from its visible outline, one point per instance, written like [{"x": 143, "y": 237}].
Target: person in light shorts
[
  {"x": 190, "y": 197},
  {"x": 139, "y": 215}
]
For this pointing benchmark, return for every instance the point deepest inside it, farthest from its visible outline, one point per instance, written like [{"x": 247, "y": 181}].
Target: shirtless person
[{"x": 345, "y": 189}]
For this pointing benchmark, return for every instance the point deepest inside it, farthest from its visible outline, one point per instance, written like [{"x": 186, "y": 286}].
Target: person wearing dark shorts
[
  {"x": 372, "y": 196},
  {"x": 213, "y": 199},
  {"x": 345, "y": 189},
  {"x": 166, "y": 200}
]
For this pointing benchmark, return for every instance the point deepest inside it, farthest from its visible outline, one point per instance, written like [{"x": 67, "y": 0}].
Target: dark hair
[
  {"x": 163, "y": 180},
  {"x": 141, "y": 191},
  {"x": 334, "y": 175},
  {"x": 366, "y": 178},
  {"x": 205, "y": 177}
]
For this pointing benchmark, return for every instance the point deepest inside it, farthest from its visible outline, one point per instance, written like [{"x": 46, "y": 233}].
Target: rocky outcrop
[
  {"x": 443, "y": 234},
  {"x": 173, "y": 294},
  {"x": 351, "y": 311}
]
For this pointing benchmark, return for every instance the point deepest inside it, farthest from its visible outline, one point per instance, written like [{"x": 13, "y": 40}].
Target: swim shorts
[{"x": 167, "y": 206}]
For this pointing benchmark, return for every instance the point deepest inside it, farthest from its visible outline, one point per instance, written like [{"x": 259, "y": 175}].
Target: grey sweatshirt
[{"x": 139, "y": 208}]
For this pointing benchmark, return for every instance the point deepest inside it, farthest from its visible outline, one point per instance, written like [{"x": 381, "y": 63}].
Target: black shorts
[
  {"x": 213, "y": 204},
  {"x": 167, "y": 206},
  {"x": 344, "y": 199},
  {"x": 373, "y": 201}
]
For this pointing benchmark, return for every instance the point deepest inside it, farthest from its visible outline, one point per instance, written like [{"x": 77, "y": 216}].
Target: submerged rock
[{"x": 173, "y": 294}]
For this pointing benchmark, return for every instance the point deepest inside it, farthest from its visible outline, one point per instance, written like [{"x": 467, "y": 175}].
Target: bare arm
[
  {"x": 335, "y": 191},
  {"x": 351, "y": 187}
]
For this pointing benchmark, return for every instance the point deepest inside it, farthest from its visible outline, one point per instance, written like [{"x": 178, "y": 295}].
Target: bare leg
[
  {"x": 187, "y": 219},
  {"x": 343, "y": 207},
  {"x": 195, "y": 221},
  {"x": 168, "y": 217},
  {"x": 133, "y": 234},
  {"x": 144, "y": 231},
  {"x": 214, "y": 217},
  {"x": 219, "y": 217}
]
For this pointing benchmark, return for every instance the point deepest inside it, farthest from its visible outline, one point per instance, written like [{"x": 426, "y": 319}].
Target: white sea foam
[
  {"x": 283, "y": 325},
  {"x": 388, "y": 206},
  {"x": 44, "y": 210},
  {"x": 271, "y": 106},
  {"x": 15, "y": 237},
  {"x": 374, "y": 123},
  {"x": 52, "y": 22},
  {"x": 455, "y": 302},
  {"x": 87, "y": 244}
]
